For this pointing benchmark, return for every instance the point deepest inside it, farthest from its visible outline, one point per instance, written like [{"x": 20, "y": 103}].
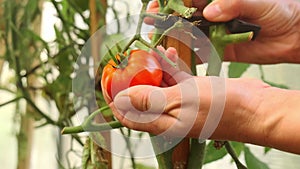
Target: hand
[
  {"x": 192, "y": 108},
  {"x": 180, "y": 108},
  {"x": 279, "y": 38},
  {"x": 278, "y": 41}
]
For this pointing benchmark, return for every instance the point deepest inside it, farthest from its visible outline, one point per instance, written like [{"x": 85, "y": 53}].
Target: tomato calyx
[{"x": 120, "y": 60}]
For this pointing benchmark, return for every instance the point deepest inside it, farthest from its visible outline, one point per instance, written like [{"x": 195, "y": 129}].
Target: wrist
[
  {"x": 240, "y": 120},
  {"x": 294, "y": 34}
]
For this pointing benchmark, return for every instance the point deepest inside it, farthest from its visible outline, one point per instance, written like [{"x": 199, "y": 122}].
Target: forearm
[
  {"x": 280, "y": 111},
  {"x": 259, "y": 114},
  {"x": 293, "y": 53}
]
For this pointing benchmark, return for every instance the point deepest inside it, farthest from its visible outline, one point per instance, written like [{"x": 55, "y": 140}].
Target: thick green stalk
[
  {"x": 172, "y": 6},
  {"x": 164, "y": 159},
  {"x": 220, "y": 39},
  {"x": 89, "y": 126},
  {"x": 216, "y": 58},
  {"x": 197, "y": 154},
  {"x": 179, "y": 7},
  {"x": 197, "y": 150},
  {"x": 92, "y": 127}
]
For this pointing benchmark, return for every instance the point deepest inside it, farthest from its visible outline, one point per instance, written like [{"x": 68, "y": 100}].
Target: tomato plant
[{"x": 139, "y": 68}]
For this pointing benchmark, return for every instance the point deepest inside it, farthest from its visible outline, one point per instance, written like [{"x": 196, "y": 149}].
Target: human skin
[
  {"x": 278, "y": 40},
  {"x": 254, "y": 112}
]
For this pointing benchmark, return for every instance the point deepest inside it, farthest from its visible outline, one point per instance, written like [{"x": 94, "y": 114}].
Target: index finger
[
  {"x": 153, "y": 8},
  {"x": 171, "y": 75}
]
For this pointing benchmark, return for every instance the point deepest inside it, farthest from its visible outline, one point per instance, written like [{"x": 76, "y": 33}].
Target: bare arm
[
  {"x": 254, "y": 112},
  {"x": 260, "y": 114}
]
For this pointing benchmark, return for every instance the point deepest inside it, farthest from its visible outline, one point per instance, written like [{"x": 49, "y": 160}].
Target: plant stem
[
  {"x": 164, "y": 159},
  {"x": 92, "y": 128},
  {"x": 139, "y": 27},
  {"x": 10, "y": 101},
  {"x": 88, "y": 125},
  {"x": 197, "y": 154},
  {"x": 232, "y": 153},
  {"x": 220, "y": 39},
  {"x": 129, "y": 147},
  {"x": 158, "y": 52},
  {"x": 178, "y": 6}
]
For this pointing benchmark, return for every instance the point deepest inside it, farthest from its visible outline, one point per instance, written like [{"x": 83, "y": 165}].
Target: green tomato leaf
[
  {"x": 276, "y": 85},
  {"x": 143, "y": 166},
  {"x": 110, "y": 43},
  {"x": 238, "y": 147},
  {"x": 237, "y": 69},
  {"x": 267, "y": 149},
  {"x": 212, "y": 154},
  {"x": 252, "y": 161}
]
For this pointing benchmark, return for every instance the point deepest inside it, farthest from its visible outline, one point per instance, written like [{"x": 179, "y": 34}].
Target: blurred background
[{"x": 39, "y": 40}]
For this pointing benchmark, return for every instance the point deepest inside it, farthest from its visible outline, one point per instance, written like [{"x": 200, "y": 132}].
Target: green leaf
[
  {"x": 282, "y": 86},
  {"x": 212, "y": 154},
  {"x": 110, "y": 43},
  {"x": 267, "y": 149},
  {"x": 253, "y": 162},
  {"x": 80, "y": 5},
  {"x": 143, "y": 166},
  {"x": 238, "y": 147},
  {"x": 237, "y": 69}
]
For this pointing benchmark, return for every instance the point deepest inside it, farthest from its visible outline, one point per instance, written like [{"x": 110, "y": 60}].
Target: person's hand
[
  {"x": 178, "y": 108},
  {"x": 157, "y": 109},
  {"x": 279, "y": 38},
  {"x": 187, "y": 105}
]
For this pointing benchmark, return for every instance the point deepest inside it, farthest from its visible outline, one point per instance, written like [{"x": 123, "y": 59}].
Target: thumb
[
  {"x": 141, "y": 103},
  {"x": 225, "y": 10}
]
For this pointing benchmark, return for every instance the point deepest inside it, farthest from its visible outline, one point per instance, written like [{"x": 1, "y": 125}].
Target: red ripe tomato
[{"x": 140, "y": 68}]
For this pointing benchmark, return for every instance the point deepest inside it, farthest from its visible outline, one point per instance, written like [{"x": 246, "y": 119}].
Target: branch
[
  {"x": 178, "y": 6},
  {"x": 92, "y": 127},
  {"x": 89, "y": 126},
  {"x": 11, "y": 101},
  {"x": 232, "y": 153}
]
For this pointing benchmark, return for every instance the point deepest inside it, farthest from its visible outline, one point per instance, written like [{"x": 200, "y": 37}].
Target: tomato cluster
[{"x": 138, "y": 68}]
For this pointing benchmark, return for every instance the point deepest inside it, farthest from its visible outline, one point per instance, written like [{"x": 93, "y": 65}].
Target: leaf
[
  {"x": 80, "y": 5},
  {"x": 212, "y": 154},
  {"x": 113, "y": 45},
  {"x": 237, "y": 69},
  {"x": 282, "y": 86},
  {"x": 143, "y": 166},
  {"x": 253, "y": 162},
  {"x": 238, "y": 147},
  {"x": 267, "y": 149}
]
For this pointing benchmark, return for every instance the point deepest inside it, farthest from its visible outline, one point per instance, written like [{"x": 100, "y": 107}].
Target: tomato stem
[
  {"x": 159, "y": 53},
  {"x": 89, "y": 126},
  {"x": 137, "y": 35},
  {"x": 112, "y": 56},
  {"x": 178, "y": 6}
]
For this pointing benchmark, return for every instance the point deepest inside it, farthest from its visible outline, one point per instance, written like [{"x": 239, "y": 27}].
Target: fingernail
[{"x": 212, "y": 11}]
